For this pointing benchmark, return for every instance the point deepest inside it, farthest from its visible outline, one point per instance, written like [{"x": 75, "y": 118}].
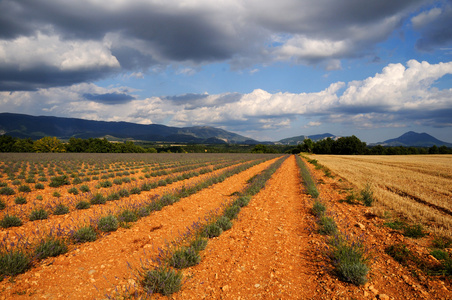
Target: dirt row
[{"x": 96, "y": 269}]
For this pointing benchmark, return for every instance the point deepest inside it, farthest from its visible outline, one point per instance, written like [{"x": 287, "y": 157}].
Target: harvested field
[
  {"x": 418, "y": 188},
  {"x": 272, "y": 251}
]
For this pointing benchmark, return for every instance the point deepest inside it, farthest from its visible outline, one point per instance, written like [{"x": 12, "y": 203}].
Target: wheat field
[{"x": 415, "y": 187}]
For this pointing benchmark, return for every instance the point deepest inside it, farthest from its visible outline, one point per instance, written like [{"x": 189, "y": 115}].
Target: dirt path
[
  {"x": 268, "y": 254},
  {"x": 96, "y": 269}
]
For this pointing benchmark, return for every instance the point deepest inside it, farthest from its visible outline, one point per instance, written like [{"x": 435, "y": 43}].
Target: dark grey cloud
[
  {"x": 138, "y": 34},
  {"x": 437, "y": 32},
  {"x": 109, "y": 98}
]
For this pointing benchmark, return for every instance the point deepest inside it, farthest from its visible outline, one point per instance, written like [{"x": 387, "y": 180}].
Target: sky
[{"x": 264, "y": 69}]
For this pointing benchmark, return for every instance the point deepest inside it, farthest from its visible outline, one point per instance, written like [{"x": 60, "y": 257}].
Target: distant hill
[
  {"x": 299, "y": 139},
  {"x": 414, "y": 139},
  {"x": 26, "y": 126}
]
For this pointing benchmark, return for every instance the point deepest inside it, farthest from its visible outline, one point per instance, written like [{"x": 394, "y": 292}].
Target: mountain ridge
[{"x": 36, "y": 127}]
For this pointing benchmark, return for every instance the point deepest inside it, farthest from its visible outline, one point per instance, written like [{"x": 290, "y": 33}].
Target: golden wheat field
[{"x": 418, "y": 188}]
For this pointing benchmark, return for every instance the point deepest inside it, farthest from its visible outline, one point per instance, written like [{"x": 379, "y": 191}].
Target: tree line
[
  {"x": 53, "y": 144},
  {"x": 351, "y": 145}
]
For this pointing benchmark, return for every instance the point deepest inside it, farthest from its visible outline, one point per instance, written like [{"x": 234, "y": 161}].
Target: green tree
[
  {"x": 49, "y": 144},
  {"x": 23, "y": 145},
  {"x": 6, "y": 143},
  {"x": 349, "y": 145}
]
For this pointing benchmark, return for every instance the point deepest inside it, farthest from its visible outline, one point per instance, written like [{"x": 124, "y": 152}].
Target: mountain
[
  {"x": 299, "y": 139},
  {"x": 26, "y": 126},
  {"x": 414, "y": 139}
]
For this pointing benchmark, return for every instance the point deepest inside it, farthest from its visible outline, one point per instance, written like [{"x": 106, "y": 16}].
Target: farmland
[
  {"x": 418, "y": 188},
  {"x": 143, "y": 208}
]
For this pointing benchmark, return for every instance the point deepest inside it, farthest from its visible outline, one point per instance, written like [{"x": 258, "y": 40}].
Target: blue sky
[{"x": 264, "y": 69}]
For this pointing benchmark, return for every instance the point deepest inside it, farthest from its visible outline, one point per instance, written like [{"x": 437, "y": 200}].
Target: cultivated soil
[{"x": 273, "y": 251}]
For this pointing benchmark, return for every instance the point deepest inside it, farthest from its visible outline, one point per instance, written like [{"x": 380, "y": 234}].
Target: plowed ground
[{"x": 272, "y": 252}]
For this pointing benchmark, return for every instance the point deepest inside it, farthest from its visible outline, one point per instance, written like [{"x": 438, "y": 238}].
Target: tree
[
  {"x": 49, "y": 144},
  {"x": 349, "y": 145},
  {"x": 307, "y": 145},
  {"x": 23, "y": 145},
  {"x": 6, "y": 143}
]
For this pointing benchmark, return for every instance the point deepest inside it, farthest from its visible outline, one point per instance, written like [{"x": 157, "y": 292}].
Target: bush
[
  {"x": 199, "y": 244},
  {"x": 442, "y": 242},
  {"x": 327, "y": 226},
  {"x": 135, "y": 191},
  {"x": 98, "y": 199},
  {"x": 2, "y": 204},
  {"x": 56, "y": 194},
  {"x": 414, "y": 231},
  {"x": 124, "y": 193},
  {"x": 212, "y": 230},
  {"x": 349, "y": 260},
  {"x": 243, "y": 201},
  {"x": 367, "y": 195},
  {"x": 76, "y": 180},
  {"x": 39, "y": 186},
  {"x": 20, "y": 200},
  {"x": 10, "y": 221},
  {"x": 84, "y": 234},
  {"x": 82, "y": 205},
  {"x": 14, "y": 262},
  {"x": 224, "y": 223},
  {"x": 58, "y": 181},
  {"x": 161, "y": 280},
  {"x": 184, "y": 258},
  {"x": 232, "y": 212},
  {"x": 50, "y": 247},
  {"x": 127, "y": 216},
  {"x": 73, "y": 191},
  {"x": 113, "y": 197},
  {"x": 318, "y": 209},
  {"x": 60, "y": 209},
  {"x": 38, "y": 214},
  {"x": 7, "y": 191},
  {"x": 24, "y": 189},
  {"x": 108, "y": 223},
  {"x": 105, "y": 184},
  {"x": 168, "y": 199},
  {"x": 84, "y": 188}
]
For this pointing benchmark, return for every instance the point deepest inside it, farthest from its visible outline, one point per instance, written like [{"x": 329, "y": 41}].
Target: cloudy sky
[{"x": 264, "y": 69}]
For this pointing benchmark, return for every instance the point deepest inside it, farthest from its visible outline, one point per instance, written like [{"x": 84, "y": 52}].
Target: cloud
[
  {"x": 69, "y": 42},
  {"x": 435, "y": 27},
  {"x": 109, "y": 98}
]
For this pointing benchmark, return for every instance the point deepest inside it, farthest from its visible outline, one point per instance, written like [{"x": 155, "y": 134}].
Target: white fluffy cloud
[{"x": 393, "y": 98}]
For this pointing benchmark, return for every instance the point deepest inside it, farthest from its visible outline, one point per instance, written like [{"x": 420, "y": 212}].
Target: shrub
[
  {"x": 7, "y": 191},
  {"x": 82, "y": 205},
  {"x": 168, "y": 199},
  {"x": 2, "y": 204},
  {"x": 24, "y": 189},
  {"x": 38, "y": 214},
  {"x": 14, "y": 262},
  {"x": 50, "y": 247},
  {"x": 135, "y": 191},
  {"x": 414, "y": 231},
  {"x": 127, "y": 216},
  {"x": 113, "y": 197},
  {"x": 232, "y": 212},
  {"x": 224, "y": 223},
  {"x": 58, "y": 181},
  {"x": 105, "y": 184},
  {"x": 10, "y": 221},
  {"x": 117, "y": 181},
  {"x": 184, "y": 257},
  {"x": 396, "y": 224},
  {"x": 60, "y": 209},
  {"x": 56, "y": 194},
  {"x": 327, "y": 226},
  {"x": 212, "y": 230},
  {"x": 16, "y": 182},
  {"x": 73, "y": 191},
  {"x": 349, "y": 260},
  {"x": 199, "y": 244},
  {"x": 76, "y": 180},
  {"x": 155, "y": 206},
  {"x": 84, "y": 188},
  {"x": 318, "y": 209},
  {"x": 124, "y": 193},
  {"x": 39, "y": 186},
  {"x": 161, "y": 280},
  {"x": 367, "y": 195},
  {"x": 84, "y": 234},
  {"x": 98, "y": 199},
  {"x": 442, "y": 242},
  {"x": 399, "y": 252},
  {"x": 439, "y": 254},
  {"x": 20, "y": 200},
  {"x": 243, "y": 201},
  {"x": 108, "y": 223}
]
